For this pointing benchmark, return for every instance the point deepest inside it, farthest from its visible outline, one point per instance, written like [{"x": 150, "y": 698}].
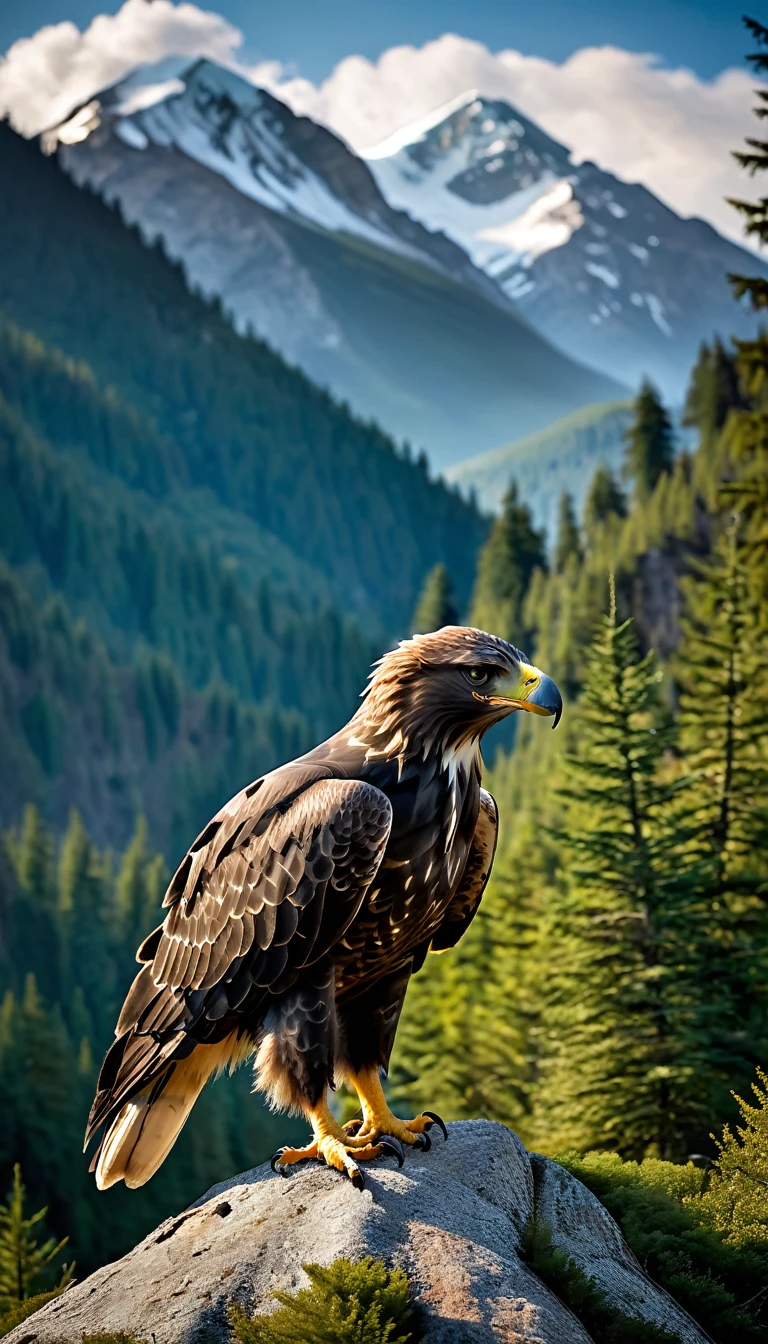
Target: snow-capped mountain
[
  {"x": 286, "y": 163},
  {"x": 276, "y": 216},
  {"x": 598, "y": 265}
]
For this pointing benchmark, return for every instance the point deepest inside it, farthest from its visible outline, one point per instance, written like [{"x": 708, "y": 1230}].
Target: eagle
[{"x": 301, "y": 911}]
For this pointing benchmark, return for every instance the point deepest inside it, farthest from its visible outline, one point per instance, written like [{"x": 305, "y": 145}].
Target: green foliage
[
  {"x": 348, "y": 1302},
  {"x": 19, "y": 1311},
  {"x": 437, "y": 605},
  {"x": 657, "y": 1206},
  {"x": 628, "y": 1051},
  {"x": 228, "y": 416},
  {"x": 23, "y": 1261},
  {"x": 650, "y": 448},
  {"x": 71, "y": 917},
  {"x": 734, "y": 1200},
  {"x": 755, "y": 160},
  {"x": 581, "y": 1294},
  {"x": 568, "y": 543},
  {"x": 560, "y": 457},
  {"x": 512, "y": 553},
  {"x": 604, "y": 499},
  {"x": 113, "y": 1337}
]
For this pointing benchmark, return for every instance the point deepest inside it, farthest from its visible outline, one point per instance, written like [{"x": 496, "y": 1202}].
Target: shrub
[
  {"x": 19, "y": 1311},
  {"x": 347, "y": 1303},
  {"x": 581, "y": 1294},
  {"x": 735, "y": 1200},
  {"x": 720, "y": 1284}
]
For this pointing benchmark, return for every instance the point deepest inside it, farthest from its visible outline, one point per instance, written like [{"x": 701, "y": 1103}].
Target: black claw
[
  {"x": 389, "y": 1144},
  {"x": 423, "y": 1142},
  {"x": 349, "y": 1127},
  {"x": 358, "y": 1180},
  {"x": 274, "y": 1162},
  {"x": 437, "y": 1121}
]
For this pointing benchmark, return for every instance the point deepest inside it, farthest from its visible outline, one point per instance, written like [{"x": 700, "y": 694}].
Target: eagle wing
[
  {"x": 263, "y": 892},
  {"x": 477, "y": 870}
]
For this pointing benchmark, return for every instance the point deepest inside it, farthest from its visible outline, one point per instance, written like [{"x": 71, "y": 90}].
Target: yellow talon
[
  {"x": 336, "y": 1148},
  {"x": 378, "y": 1118}
]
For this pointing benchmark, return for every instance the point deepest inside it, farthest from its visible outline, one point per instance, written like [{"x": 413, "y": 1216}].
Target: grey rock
[{"x": 453, "y": 1218}]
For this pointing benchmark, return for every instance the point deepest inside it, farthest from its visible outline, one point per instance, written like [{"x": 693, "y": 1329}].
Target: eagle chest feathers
[{"x": 435, "y": 808}]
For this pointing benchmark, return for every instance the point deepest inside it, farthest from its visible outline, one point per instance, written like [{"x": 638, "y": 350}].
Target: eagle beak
[{"x": 530, "y": 689}]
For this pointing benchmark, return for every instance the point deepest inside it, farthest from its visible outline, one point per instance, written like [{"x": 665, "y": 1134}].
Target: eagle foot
[
  {"x": 413, "y": 1132},
  {"x": 339, "y": 1153}
]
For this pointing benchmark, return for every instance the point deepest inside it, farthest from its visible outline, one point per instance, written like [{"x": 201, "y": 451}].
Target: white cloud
[
  {"x": 665, "y": 128},
  {"x": 44, "y": 76}
]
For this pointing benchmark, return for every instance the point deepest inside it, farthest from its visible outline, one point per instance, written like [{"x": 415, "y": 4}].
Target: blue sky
[{"x": 311, "y": 36}]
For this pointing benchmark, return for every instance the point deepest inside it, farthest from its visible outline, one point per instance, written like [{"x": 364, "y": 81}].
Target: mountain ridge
[
  {"x": 596, "y": 264},
  {"x": 393, "y": 318}
]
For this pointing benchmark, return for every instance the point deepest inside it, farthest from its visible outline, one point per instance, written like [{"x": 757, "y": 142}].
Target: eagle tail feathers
[{"x": 145, "y": 1129}]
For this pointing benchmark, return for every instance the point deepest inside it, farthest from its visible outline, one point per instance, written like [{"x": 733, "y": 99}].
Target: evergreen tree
[
  {"x": 755, "y": 160},
  {"x": 627, "y": 1061},
  {"x": 140, "y": 887},
  {"x": 746, "y": 435},
  {"x": 23, "y": 1262},
  {"x": 605, "y": 499},
  {"x": 568, "y": 541},
  {"x": 437, "y": 605},
  {"x": 507, "y": 562},
  {"x": 713, "y": 391},
  {"x": 650, "y": 448},
  {"x": 721, "y": 671}
]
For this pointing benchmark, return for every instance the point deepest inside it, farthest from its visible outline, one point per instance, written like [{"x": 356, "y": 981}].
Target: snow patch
[
  {"x": 135, "y": 99},
  {"x": 617, "y": 210},
  {"x": 131, "y": 135},
  {"x": 656, "y": 309},
  {"x": 416, "y": 130},
  {"x": 641, "y": 253},
  {"x": 548, "y": 223},
  {"x": 608, "y": 277}
]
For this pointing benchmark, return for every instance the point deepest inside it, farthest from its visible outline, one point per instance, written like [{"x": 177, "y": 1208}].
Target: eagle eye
[{"x": 479, "y": 676}]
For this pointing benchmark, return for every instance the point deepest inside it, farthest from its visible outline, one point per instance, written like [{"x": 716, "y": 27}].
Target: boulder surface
[{"x": 453, "y": 1218}]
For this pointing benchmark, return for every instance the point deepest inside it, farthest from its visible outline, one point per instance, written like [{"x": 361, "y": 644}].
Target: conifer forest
[{"x": 201, "y": 554}]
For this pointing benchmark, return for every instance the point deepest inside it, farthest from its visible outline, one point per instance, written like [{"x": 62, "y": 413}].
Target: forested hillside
[
  {"x": 245, "y": 427},
  {"x": 204, "y": 551}
]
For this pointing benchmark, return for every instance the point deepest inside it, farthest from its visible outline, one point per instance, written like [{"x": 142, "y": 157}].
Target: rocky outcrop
[{"x": 454, "y": 1218}]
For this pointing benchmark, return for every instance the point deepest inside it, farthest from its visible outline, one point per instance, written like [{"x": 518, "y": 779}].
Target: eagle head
[{"x": 448, "y": 688}]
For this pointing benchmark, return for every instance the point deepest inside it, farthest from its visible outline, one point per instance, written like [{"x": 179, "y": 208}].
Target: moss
[
  {"x": 722, "y": 1286},
  {"x": 347, "y": 1303},
  {"x": 112, "y": 1337},
  {"x": 583, "y": 1297},
  {"x": 19, "y": 1311}
]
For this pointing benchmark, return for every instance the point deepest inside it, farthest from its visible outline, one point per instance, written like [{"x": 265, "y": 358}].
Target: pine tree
[
  {"x": 650, "y": 448},
  {"x": 721, "y": 671},
  {"x": 568, "y": 541},
  {"x": 746, "y": 436},
  {"x": 23, "y": 1262},
  {"x": 437, "y": 605},
  {"x": 713, "y": 391},
  {"x": 140, "y": 887},
  {"x": 626, "y": 1063},
  {"x": 605, "y": 499},
  {"x": 507, "y": 562},
  {"x": 755, "y": 160}
]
